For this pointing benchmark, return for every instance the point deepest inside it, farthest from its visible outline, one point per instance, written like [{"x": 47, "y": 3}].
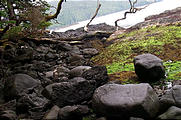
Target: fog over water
[{"x": 132, "y": 19}]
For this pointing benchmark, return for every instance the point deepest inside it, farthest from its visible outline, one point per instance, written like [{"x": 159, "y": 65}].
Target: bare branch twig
[
  {"x": 97, "y": 10},
  {"x": 131, "y": 10}
]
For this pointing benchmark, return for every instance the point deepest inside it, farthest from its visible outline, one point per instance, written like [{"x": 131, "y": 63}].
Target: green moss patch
[
  {"x": 162, "y": 41},
  {"x": 173, "y": 70}
]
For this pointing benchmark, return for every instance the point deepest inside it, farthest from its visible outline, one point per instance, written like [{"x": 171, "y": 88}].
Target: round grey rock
[
  {"x": 124, "y": 101},
  {"x": 149, "y": 67}
]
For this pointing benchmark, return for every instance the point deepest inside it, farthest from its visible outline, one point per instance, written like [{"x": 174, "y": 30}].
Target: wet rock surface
[{"x": 40, "y": 73}]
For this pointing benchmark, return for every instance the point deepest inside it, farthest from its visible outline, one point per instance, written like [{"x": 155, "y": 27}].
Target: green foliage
[
  {"x": 163, "y": 41},
  {"x": 13, "y": 33},
  {"x": 147, "y": 40},
  {"x": 26, "y": 15},
  {"x": 119, "y": 67},
  {"x": 44, "y": 24},
  {"x": 173, "y": 70}
]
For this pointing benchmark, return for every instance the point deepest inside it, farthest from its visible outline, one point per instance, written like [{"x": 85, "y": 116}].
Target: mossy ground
[{"x": 162, "y": 41}]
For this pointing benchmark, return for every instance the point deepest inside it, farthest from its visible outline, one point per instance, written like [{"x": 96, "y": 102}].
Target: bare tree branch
[
  {"x": 97, "y": 10},
  {"x": 50, "y": 17},
  {"x": 131, "y": 10}
]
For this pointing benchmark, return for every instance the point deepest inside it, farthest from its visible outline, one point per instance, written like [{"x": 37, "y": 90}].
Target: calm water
[{"x": 132, "y": 19}]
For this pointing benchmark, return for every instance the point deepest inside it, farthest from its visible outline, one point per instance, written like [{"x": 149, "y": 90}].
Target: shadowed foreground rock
[
  {"x": 97, "y": 73},
  {"x": 173, "y": 113},
  {"x": 149, "y": 67},
  {"x": 73, "y": 112},
  {"x": 171, "y": 98},
  {"x": 124, "y": 101},
  {"x": 69, "y": 93},
  {"x": 17, "y": 84}
]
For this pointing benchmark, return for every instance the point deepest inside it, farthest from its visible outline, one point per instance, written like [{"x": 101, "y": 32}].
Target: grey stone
[
  {"x": 149, "y": 67},
  {"x": 73, "y": 112},
  {"x": 23, "y": 55},
  {"x": 76, "y": 59},
  {"x": 173, "y": 113},
  {"x": 172, "y": 97},
  {"x": 51, "y": 56},
  {"x": 17, "y": 84},
  {"x": 31, "y": 100},
  {"x": 47, "y": 91},
  {"x": 176, "y": 82},
  {"x": 78, "y": 71},
  {"x": 68, "y": 93},
  {"x": 52, "y": 114},
  {"x": 63, "y": 46},
  {"x": 49, "y": 74},
  {"x": 97, "y": 73},
  {"x": 90, "y": 51},
  {"x": 60, "y": 72},
  {"x": 73, "y": 92},
  {"x": 124, "y": 101}
]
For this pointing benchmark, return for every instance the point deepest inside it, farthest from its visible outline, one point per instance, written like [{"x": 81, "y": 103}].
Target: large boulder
[
  {"x": 18, "y": 84},
  {"x": 149, "y": 67},
  {"x": 173, "y": 113},
  {"x": 172, "y": 97},
  {"x": 97, "y": 73},
  {"x": 124, "y": 101},
  {"x": 69, "y": 93}
]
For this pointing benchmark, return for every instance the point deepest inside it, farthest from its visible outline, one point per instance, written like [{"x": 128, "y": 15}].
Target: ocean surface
[{"x": 132, "y": 19}]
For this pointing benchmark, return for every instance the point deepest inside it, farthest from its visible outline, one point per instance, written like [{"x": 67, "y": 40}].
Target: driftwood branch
[
  {"x": 59, "y": 7},
  {"x": 131, "y": 10},
  {"x": 97, "y": 10}
]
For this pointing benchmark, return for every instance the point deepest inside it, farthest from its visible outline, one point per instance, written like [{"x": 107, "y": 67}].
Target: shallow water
[{"x": 132, "y": 19}]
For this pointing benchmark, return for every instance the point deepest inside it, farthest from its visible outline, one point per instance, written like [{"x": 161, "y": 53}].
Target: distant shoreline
[{"x": 132, "y": 19}]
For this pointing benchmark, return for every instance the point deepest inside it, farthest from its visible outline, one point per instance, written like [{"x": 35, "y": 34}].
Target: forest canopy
[{"x": 26, "y": 15}]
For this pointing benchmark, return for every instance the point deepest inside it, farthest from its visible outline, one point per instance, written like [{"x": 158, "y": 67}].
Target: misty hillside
[{"x": 76, "y": 11}]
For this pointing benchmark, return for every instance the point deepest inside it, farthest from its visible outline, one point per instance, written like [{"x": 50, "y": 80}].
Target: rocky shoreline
[
  {"x": 53, "y": 78},
  {"x": 33, "y": 68}
]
